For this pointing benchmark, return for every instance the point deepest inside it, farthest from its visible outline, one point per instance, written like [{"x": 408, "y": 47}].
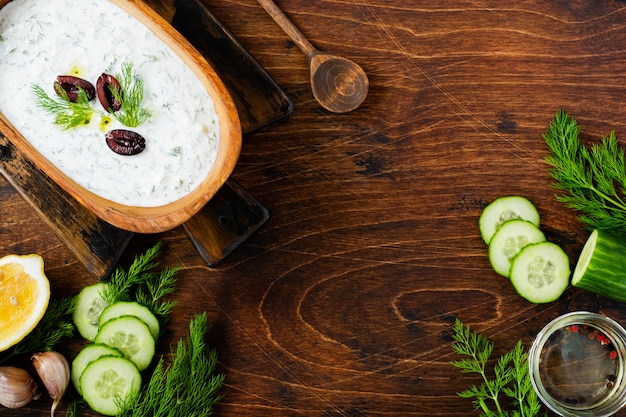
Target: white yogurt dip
[{"x": 41, "y": 39}]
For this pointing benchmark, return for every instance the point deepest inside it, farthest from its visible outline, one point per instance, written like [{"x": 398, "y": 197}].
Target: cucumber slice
[
  {"x": 87, "y": 355},
  {"x": 88, "y": 308},
  {"x": 601, "y": 266},
  {"x": 131, "y": 308},
  {"x": 131, "y": 336},
  {"x": 512, "y": 236},
  {"x": 504, "y": 209},
  {"x": 109, "y": 381},
  {"x": 540, "y": 272}
]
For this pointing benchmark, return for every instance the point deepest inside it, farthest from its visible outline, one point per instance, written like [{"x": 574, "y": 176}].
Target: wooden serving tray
[{"x": 228, "y": 219}]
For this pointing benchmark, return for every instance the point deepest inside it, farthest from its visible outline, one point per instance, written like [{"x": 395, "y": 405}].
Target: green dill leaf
[
  {"x": 468, "y": 365},
  {"x": 175, "y": 151},
  {"x": 154, "y": 288},
  {"x": 131, "y": 113},
  {"x": 503, "y": 373},
  {"x": 75, "y": 408},
  {"x": 592, "y": 180},
  {"x": 188, "y": 386},
  {"x": 521, "y": 389},
  {"x": 469, "y": 393},
  {"x": 510, "y": 376},
  {"x": 72, "y": 409},
  {"x": 123, "y": 282},
  {"x": 67, "y": 114},
  {"x": 145, "y": 286}
]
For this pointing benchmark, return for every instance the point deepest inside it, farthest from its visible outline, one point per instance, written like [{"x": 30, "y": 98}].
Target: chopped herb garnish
[
  {"x": 69, "y": 114},
  {"x": 66, "y": 113},
  {"x": 131, "y": 97}
]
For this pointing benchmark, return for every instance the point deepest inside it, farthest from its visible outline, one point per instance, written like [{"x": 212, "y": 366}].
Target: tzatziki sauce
[{"x": 42, "y": 39}]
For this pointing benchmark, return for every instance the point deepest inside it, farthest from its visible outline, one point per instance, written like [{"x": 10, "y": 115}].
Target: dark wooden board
[
  {"x": 232, "y": 215},
  {"x": 229, "y": 218},
  {"x": 238, "y": 216},
  {"x": 96, "y": 243},
  {"x": 259, "y": 99}
]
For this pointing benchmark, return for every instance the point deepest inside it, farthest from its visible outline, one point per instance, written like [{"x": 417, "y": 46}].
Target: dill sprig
[
  {"x": 74, "y": 408},
  {"x": 70, "y": 114},
  {"x": 130, "y": 97},
  {"x": 510, "y": 378},
  {"x": 144, "y": 285},
  {"x": 155, "y": 287},
  {"x": 66, "y": 113},
  {"x": 55, "y": 325},
  {"x": 188, "y": 386},
  {"x": 123, "y": 281},
  {"x": 593, "y": 179}
]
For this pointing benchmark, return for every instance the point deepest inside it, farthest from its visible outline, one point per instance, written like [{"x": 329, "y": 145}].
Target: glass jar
[{"x": 577, "y": 364}]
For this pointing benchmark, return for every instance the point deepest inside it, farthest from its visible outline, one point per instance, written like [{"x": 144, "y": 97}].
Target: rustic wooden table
[{"x": 342, "y": 303}]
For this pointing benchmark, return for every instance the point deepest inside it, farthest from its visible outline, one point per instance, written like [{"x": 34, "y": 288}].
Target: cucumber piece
[
  {"x": 109, "y": 381},
  {"x": 87, "y": 355},
  {"x": 89, "y": 305},
  {"x": 131, "y": 308},
  {"x": 540, "y": 272},
  {"x": 601, "y": 266},
  {"x": 131, "y": 336},
  {"x": 508, "y": 240},
  {"x": 504, "y": 209}
]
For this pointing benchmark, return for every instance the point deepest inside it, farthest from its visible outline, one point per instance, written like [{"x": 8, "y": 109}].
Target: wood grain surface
[{"x": 341, "y": 304}]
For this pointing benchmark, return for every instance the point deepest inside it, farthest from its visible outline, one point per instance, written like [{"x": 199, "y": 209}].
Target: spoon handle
[{"x": 290, "y": 29}]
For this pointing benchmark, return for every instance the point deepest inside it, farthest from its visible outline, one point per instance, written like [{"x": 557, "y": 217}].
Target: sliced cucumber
[
  {"x": 88, "y": 308},
  {"x": 601, "y": 266},
  {"x": 131, "y": 336},
  {"x": 504, "y": 209},
  {"x": 540, "y": 272},
  {"x": 510, "y": 237},
  {"x": 109, "y": 381},
  {"x": 87, "y": 355},
  {"x": 131, "y": 308}
]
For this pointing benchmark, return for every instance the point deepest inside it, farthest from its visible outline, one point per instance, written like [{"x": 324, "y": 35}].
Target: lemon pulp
[{"x": 24, "y": 297}]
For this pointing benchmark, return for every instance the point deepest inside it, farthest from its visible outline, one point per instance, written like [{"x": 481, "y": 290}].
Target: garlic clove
[
  {"x": 17, "y": 388},
  {"x": 54, "y": 372}
]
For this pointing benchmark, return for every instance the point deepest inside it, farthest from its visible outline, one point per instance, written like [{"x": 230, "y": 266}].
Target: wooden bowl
[{"x": 164, "y": 217}]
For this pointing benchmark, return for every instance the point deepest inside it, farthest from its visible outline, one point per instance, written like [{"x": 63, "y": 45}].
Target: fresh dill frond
[
  {"x": 123, "y": 282},
  {"x": 154, "y": 288},
  {"x": 521, "y": 389},
  {"x": 510, "y": 378},
  {"x": 55, "y": 325},
  {"x": 188, "y": 386},
  {"x": 75, "y": 408},
  {"x": 175, "y": 151},
  {"x": 593, "y": 180},
  {"x": 66, "y": 113},
  {"x": 143, "y": 285},
  {"x": 130, "y": 97}
]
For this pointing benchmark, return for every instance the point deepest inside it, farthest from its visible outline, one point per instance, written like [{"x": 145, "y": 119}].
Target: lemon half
[{"x": 24, "y": 297}]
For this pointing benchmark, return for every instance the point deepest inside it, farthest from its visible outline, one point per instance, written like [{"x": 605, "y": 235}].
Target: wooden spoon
[{"x": 338, "y": 84}]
